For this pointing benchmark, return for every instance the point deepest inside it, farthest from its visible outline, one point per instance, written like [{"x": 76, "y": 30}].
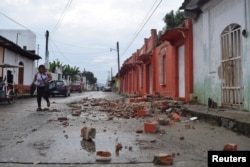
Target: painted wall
[
  {"x": 29, "y": 66},
  {"x": 169, "y": 88},
  {"x": 216, "y": 16}
]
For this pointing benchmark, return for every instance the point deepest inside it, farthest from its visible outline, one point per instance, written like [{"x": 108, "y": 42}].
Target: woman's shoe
[{"x": 39, "y": 109}]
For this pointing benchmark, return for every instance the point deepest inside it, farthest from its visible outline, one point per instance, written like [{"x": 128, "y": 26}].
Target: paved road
[{"x": 29, "y": 137}]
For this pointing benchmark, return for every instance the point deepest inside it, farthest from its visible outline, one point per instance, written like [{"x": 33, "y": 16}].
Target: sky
[{"x": 83, "y": 32}]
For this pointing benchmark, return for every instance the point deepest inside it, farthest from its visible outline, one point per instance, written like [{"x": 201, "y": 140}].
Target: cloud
[{"x": 90, "y": 27}]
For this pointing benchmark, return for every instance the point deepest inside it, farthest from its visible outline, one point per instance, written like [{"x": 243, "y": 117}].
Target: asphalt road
[{"x": 30, "y": 138}]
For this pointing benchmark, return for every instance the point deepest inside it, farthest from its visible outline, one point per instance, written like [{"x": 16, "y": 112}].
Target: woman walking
[{"x": 41, "y": 80}]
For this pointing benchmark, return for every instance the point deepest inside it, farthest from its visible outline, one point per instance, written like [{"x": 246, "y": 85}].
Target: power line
[
  {"x": 59, "y": 50},
  {"x": 20, "y": 24},
  {"x": 136, "y": 35},
  {"x": 61, "y": 17}
]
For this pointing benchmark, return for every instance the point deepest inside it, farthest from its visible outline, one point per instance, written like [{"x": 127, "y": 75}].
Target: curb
[{"x": 228, "y": 123}]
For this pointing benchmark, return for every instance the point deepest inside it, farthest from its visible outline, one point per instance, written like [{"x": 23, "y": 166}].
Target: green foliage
[
  {"x": 71, "y": 71},
  {"x": 90, "y": 77},
  {"x": 173, "y": 20},
  {"x": 53, "y": 65}
]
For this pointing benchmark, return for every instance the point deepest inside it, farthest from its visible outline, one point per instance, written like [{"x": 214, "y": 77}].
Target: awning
[
  {"x": 175, "y": 35},
  {"x": 17, "y": 49},
  {"x": 9, "y": 66},
  {"x": 126, "y": 67},
  {"x": 145, "y": 57}
]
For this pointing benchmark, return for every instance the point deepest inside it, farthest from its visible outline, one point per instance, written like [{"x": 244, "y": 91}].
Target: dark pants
[{"x": 41, "y": 92}]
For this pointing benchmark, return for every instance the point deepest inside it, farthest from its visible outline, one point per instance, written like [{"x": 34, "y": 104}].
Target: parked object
[
  {"x": 107, "y": 89},
  {"x": 59, "y": 87},
  {"x": 7, "y": 86},
  {"x": 76, "y": 86}
]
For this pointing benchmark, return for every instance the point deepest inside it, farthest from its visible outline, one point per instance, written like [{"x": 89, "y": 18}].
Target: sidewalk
[{"x": 235, "y": 120}]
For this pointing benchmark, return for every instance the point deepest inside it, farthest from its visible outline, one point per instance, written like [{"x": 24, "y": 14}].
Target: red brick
[
  {"x": 171, "y": 122},
  {"x": 103, "y": 156},
  {"x": 163, "y": 159},
  {"x": 175, "y": 116},
  {"x": 230, "y": 147},
  {"x": 151, "y": 127},
  {"x": 88, "y": 133},
  {"x": 141, "y": 113}
]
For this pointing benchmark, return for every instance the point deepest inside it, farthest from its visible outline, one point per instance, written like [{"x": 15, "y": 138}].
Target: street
[{"x": 31, "y": 138}]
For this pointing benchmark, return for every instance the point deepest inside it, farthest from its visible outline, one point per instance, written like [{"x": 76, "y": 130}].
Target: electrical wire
[
  {"x": 20, "y": 24},
  {"x": 61, "y": 17},
  {"x": 140, "y": 29},
  {"x": 59, "y": 50}
]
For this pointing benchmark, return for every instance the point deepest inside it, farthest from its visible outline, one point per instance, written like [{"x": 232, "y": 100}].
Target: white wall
[
  {"x": 29, "y": 66},
  {"x": 216, "y": 16}
]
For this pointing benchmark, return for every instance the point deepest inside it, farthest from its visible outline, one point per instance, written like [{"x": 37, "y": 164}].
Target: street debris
[
  {"x": 88, "y": 133},
  {"x": 163, "y": 159},
  {"x": 62, "y": 118},
  {"x": 151, "y": 127},
  {"x": 230, "y": 147},
  {"x": 118, "y": 148},
  {"x": 103, "y": 156}
]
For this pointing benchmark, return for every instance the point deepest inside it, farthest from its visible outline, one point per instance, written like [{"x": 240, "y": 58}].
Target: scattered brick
[
  {"x": 76, "y": 113},
  {"x": 175, "y": 116},
  {"x": 230, "y": 147},
  {"x": 103, "y": 156},
  {"x": 118, "y": 148},
  {"x": 151, "y": 127},
  {"x": 88, "y": 133},
  {"x": 163, "y": 159},
  {"x": 171, "y": 122},
  {"x": 141, "y": 113}
]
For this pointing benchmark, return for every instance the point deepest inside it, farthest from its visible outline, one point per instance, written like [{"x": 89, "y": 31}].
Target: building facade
[
  {"x": 221, "y": 51},
  {"x": 12, "y": 54}
]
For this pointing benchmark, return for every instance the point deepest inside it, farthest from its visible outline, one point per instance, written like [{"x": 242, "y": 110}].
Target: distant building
[{"x": 22, "y": 52}]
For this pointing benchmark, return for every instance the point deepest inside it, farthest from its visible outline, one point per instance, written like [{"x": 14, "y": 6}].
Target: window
[{"x": 162, "y": 65}]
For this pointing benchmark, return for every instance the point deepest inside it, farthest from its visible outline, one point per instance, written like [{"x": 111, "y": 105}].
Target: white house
[
  {"x": 221, "y": 51},
  {"x": 10, "y": 53}
]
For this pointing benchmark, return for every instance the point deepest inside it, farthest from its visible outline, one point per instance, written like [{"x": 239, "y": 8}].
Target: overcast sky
[{"x": 83, "y": 31}]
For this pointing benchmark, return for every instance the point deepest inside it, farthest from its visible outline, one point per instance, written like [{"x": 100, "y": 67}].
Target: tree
[
  {"x": 71, "y": 71},
  {"x": 54, "y": 64},
  {"x": 173, "y": 20},
  {"x": 90, "y": 77}
]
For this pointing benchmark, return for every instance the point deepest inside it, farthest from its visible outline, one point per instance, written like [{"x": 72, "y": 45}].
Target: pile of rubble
[{"x": 127, "y": 108}]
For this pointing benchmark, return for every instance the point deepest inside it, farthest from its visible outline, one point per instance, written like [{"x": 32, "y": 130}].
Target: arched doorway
[{"x": 232, "y": 87}]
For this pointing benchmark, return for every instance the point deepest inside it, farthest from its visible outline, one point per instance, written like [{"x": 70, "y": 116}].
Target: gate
[{"x": 232, "y": 89}]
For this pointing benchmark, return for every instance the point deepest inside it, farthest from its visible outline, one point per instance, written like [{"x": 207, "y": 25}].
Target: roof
[
  {"x": 192, "y": 8},
  {"x": 17, "y": 49}
]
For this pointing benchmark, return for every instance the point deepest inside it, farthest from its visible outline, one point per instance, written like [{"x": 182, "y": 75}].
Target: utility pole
[
  {"x": 38, "y": 47},
  {"x": 118, "y": 59},
  {"x": 47, "y": 50}
]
